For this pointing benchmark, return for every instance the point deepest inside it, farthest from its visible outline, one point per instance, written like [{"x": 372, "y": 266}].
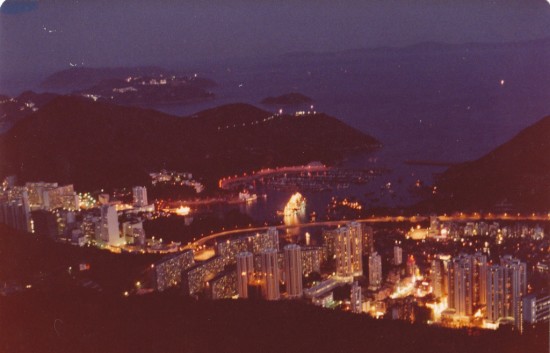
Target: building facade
[
  {"x": 375, "y": 271},
  {"x": 245, "y": 270},
  {"x": 270, "y": 274},
  {"x": 348, "y": 252},
  {"x": 293, "y": 270}
]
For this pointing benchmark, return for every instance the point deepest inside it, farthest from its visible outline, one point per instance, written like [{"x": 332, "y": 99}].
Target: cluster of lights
[
  {"x": 86, "y": 200},
  {"x": 296, "y": 203},
  {"x": 183, "y": 211},
  {"x": 353, "y": 205}
]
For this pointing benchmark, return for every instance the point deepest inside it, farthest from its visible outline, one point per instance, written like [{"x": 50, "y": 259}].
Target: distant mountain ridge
[
  {"x": 425, "y": 46},
  {"x": 96, "y": 145}
]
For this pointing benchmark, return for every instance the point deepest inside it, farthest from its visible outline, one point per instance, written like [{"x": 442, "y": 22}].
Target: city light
[{"x": 183, "y": 211}]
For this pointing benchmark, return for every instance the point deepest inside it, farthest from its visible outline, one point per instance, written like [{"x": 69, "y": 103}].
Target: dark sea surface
[{"x": 430, "y": 102}]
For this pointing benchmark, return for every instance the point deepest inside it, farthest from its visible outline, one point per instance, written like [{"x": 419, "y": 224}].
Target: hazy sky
[{"x": 43, "y": 36}]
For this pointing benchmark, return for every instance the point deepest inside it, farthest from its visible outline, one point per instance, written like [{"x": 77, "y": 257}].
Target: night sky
[{"x": 39, "y": 37}]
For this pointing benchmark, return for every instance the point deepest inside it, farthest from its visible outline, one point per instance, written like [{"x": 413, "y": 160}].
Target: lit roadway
[
  {"x": 225, "y": 182},
  {"x": 462, "y": 217}
]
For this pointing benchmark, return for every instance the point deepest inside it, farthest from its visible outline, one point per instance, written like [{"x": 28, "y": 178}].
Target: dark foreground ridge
[
  {"x": 515, "y": 175},
  {"x": 88, "y": 322},
  {"x": 100, "y": 145}
]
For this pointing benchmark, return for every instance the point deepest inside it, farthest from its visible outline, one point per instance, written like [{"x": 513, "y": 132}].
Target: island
[
  {"x": 149, "y": 90},
  {"x": 138, "y": 86}
]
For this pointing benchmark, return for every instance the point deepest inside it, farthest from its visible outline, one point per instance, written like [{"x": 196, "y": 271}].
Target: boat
[
  {"x": 296, "y": 204},
  {"x": 245, "y": 196}
]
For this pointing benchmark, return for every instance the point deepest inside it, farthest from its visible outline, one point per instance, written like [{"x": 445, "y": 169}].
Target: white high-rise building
[
  {"x": 375, "y": 271},
  {"x": 356, "y": 299},
  {"x": 479, "y": 278},
  {"x": 460, "y": 285},
  {"x": 515, "y": 287},
  {"x": 397, "y": 255},
  {"x": 245, "y": 270},
  {"x": 348, "y": 251},
  {"x": 495, "y": 293},
  {"x": 140, "y": 196},
  {"x": 293, "y": 270},
  {"x": 270, "y": 273},
  {"x": 467, "y": 283},
  {"x": 110, "y": 232}
]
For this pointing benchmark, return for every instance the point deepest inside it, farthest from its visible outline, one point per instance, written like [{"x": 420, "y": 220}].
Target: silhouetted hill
[
  {"x": 12, "y": 109},
  {"x": 42, "y": 262},
  {"x": 96, "y": 145},
  {"x": 516, "y": 173},
  {"x": 78, "y": 321}
]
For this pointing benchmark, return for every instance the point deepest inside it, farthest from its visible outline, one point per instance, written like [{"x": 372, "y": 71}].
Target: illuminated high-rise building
[
  {"x": 439, "y": 275},
  {"x": 311, "y": 260},
  {"x": 515, "y": 287},
  {"x": 467, "y": 286},
  {"x": 133, "y": 232},
  {"x": 461, "y": 285},
  {"x": 495, "y": 293},
  {"x": 36, "y": 193},
  {"x": 348, "y": 249},
  {"x": 167, "y": 271},
  {"x": 270, "y": 273},
  {"x": 60, "y": 197},
  {"x": 264, "y": 241},
  {"x": 245, "y": 269},
  {"x": 479, "y": 275},
  {"x": 293, "y": 270},
  {"x": 368, "y": 239},
  {"x": 228, "y": 249},
  {"x": 110, "y": 233},
  {"x": 15, "y": 211},
  {"x": 139, "y": 194},
  {"x": 536, "y": 308},
  {"x": 375, "y": 271},
  {"x": 397, "y": 255},
  {"x": 194, "y": 279},
  {"x": 223, "y": 285},
  {"x": 329, "y": 244},
  {"x": 356, "y": 299}
]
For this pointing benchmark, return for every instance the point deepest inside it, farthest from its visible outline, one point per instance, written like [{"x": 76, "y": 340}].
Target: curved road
[{"x": 414, "y": 219}]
